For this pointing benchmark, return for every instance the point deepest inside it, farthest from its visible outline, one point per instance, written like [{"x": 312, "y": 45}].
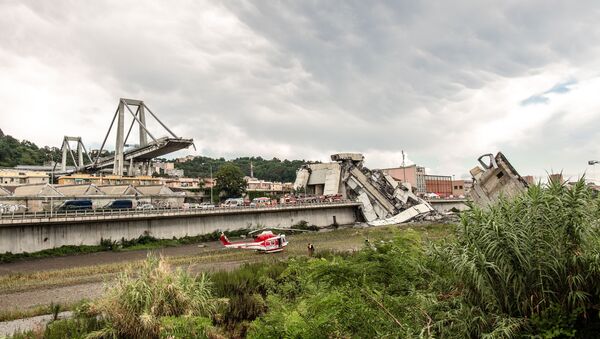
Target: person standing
[{"x": 311, "y": 250}]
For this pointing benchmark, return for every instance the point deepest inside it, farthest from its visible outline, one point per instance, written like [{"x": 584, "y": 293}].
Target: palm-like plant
[{"x": 524, "y": 256}]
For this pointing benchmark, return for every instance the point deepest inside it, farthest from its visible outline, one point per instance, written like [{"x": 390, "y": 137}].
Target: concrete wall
[
  {"x": 19, "y": 238},
  {"x": 444, "y": 206}
]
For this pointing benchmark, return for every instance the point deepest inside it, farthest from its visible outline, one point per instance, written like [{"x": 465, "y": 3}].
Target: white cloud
[{"x": 445, "y": 82}]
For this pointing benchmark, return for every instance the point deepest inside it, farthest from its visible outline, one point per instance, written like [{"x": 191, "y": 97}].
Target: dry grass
[{"x": 346, "y": 239}]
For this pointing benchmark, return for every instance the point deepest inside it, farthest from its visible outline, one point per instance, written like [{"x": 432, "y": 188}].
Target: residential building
[
  {"x": 22, "y": 177},
  {"x": 439, "y": 184},
  {"x": 458, "y": 188},
  {"x": 167, "y": 168},
  {"x": 529, "y": 179},
  {"x": 209, "y": 182},
  {"x": 256, "y": 185},
  {"x": 557, "y": 177},
  {"x": 186, "y": 158},
  {"x": 184, "y": 183},
  {"x": 101, "y": 180}
]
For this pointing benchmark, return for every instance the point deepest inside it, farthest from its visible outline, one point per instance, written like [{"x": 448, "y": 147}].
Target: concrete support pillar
[
  {"x": 80, "y": 153},
  {"x": 130, "y": 169},
  {"x": 119, "y": 147},
  {"x": 143, "y": 134},
  {"x": 64, "y": 156}
]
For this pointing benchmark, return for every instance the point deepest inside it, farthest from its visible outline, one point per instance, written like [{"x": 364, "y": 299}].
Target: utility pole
[
  {"x": 212, "y": 182},
  {"x": 403, "y": 168}
]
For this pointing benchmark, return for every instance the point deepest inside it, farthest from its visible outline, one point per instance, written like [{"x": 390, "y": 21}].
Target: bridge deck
[{"x": 15, "y": 219}]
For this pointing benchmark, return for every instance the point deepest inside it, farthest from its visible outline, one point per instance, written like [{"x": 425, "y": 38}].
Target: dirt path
[{"x": 57, "y": 295}]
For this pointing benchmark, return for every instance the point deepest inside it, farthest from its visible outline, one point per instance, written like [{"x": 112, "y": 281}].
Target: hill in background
[{"x": 14, "y": 152}]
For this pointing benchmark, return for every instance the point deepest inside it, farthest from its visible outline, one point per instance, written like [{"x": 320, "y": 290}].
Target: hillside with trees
[
  {"x": 271, "y": 170},
  {"x": 14, "y": 152}
]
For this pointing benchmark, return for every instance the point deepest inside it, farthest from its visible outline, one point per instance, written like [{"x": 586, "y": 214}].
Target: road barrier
[{"x": 84, "y": 215}]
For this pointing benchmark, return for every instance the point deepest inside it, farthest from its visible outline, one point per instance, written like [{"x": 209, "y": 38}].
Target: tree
[{"x": 230, "y": 181}]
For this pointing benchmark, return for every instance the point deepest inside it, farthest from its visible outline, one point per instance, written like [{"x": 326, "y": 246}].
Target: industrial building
[{"x": 441, "y": 185}]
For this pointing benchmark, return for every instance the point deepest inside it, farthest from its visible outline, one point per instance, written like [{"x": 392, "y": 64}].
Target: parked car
[
  {"x": 75, "y": 205},
  {"x": 119, "y": 205},
  {"x": 207, "y": 205},
  {"x": 145, "y": 207}
]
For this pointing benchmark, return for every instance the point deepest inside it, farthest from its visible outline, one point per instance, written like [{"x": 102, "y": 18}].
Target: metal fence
[{"x": 76, "y": 215}]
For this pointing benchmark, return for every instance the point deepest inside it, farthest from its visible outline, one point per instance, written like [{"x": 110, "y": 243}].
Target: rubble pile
[{"x": 384, "y": 200}]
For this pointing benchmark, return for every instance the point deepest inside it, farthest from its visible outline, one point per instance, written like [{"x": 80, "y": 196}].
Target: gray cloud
[{"x": 302, "y": 79}]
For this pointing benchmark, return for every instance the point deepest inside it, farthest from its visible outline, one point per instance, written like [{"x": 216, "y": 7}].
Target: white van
[{"x": 233, "y": 202}]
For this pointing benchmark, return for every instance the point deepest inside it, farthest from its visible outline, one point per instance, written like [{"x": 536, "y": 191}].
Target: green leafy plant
[{"x": 135, "y": 303}]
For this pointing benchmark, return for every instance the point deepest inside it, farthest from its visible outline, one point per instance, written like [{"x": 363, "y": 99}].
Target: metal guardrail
[{"x": 91, "y": 215}]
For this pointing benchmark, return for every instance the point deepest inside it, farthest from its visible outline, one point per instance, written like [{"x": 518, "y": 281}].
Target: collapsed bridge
[
  {"x": 136, "y": 159},
  {"x": 384, "y": 201}
]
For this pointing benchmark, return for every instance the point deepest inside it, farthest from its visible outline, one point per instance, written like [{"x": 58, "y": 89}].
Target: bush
[
  {"x": 78, "y": 327},
  {"x": 184, "y": 327},
  {"x": 244, "y": 290},
  {"x": 303, "y": 225},
  {"x": 137, "y": 301},
  {"x": 370, "y": 293}
]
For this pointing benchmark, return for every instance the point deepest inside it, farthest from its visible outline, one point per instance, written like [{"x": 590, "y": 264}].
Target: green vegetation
[
  {"x": 138, "y": 301},
  {"x": 14, "y": 152},
  {"x": 230, "y": 181},
  {"x": 527, "y": 267},
  {"x": 271, "y": 170},
  {"x": 530, "y": 264}
]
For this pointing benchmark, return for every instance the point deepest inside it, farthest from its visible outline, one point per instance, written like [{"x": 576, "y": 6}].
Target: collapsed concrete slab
[
  {"x": 495, "y": 178},
  {"x": 384, "y": 200}
]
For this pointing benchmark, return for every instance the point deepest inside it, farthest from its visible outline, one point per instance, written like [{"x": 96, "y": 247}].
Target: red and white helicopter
[{"x": 265, "y": 242}]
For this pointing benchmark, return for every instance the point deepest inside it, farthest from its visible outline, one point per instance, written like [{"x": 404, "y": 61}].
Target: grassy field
[{"x": 343, "y": 239}]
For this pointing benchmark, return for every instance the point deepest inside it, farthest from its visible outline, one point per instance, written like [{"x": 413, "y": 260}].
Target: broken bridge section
[
  {"x": 494, "y": 179},
  {"x": 137, "y": 158},
  {"x": 384, "y": 201}
]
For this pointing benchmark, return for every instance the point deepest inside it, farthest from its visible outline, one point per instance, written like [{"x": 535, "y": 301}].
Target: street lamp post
[{"x": 212, "y": 184}]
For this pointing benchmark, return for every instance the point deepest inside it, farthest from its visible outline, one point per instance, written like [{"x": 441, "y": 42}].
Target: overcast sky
[{"x": 445, "y": 81}]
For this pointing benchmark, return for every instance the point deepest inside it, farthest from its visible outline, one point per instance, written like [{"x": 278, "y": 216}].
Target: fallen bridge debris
[
  {"x": 384, "y": 200},
  {"x": 495, "y": 178}
]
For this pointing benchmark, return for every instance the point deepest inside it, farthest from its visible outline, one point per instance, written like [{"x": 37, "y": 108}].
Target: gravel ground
[
  {"x": 58, "y": 295},
  {"x": 8, "y": 328}
]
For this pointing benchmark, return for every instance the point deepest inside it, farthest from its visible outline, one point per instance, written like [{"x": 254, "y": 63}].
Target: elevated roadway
[{"x": 31, "y": 232}]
